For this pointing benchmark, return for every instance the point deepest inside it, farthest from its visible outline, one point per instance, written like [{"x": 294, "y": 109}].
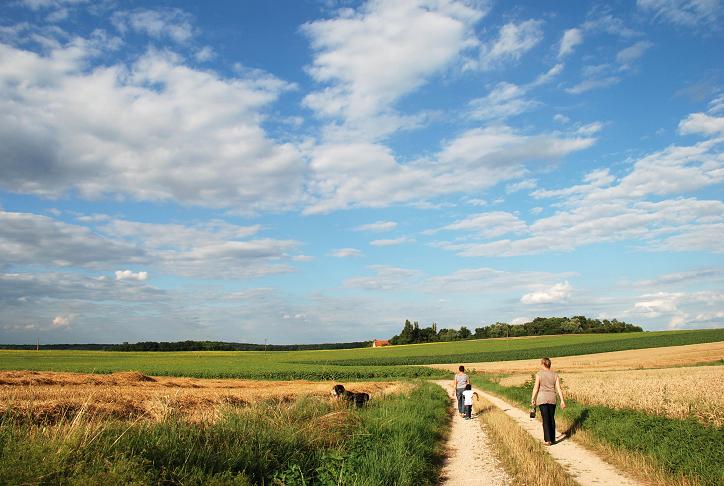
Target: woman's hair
[
  {"x": 462, "y": 368},
  {"x": 468, "y": 386},
  {"x": 546, "y": 362}
]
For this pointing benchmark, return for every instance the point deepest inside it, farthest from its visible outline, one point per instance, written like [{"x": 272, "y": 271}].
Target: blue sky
[{"x": 318, "y": 171}]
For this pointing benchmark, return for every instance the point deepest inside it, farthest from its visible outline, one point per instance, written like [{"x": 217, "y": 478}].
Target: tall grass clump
[
  {"x": 306, "y": 442},
  {"x": 656, "y": 449}
]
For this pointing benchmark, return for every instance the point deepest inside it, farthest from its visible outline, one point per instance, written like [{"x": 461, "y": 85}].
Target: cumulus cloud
[
  {"x": 355, "y": 50},
  {"x": 27, "y": 238},
  {"x": 571, "y": 38},
  {"x": 558, "y": 293},
  {"x": 173, "y": 23},
  {"x": 130, "y": 275},
  {"x": 60, "y": 322},
  {"x": 702, "y": 123},
  {"x": 215, "y": 152},
  {"x": 503, "y": 101}
]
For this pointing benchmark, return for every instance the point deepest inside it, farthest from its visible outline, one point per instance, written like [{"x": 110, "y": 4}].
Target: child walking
[{"x": 468, "y": 395}]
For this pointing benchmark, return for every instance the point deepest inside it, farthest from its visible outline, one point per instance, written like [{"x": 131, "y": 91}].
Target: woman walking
[
  {"x": 460, "y": 381},
  {"x": 547, "y": 384}
]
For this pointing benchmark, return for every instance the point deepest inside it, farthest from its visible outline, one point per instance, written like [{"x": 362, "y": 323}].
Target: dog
[{"x": 358, "y": 399}]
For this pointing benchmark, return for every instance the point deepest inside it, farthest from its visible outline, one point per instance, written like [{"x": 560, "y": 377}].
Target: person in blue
[{"x": 460, "y": 381}]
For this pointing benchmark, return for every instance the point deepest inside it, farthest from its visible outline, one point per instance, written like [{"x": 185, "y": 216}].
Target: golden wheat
[
  {"x": 54, "y": 397},
  {"x": 674, "y": 392}
]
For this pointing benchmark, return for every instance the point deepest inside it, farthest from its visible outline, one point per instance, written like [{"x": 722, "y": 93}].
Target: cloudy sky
[{"x": 316, "y": 171}]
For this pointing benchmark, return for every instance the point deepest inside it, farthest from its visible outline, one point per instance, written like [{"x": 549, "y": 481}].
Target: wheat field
[{"x": 50, "y": 397}]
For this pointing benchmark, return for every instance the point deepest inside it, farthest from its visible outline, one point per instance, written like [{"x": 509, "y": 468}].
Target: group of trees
[
  {"x": 192, "y": 346},
  {"x": 540, "y": 326}
]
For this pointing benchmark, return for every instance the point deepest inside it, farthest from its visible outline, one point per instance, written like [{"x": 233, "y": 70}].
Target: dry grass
[
  {"x": 667, "y": 357},
  {"x": 523, "y": 457},
  {"x": 51, "y": 397}
]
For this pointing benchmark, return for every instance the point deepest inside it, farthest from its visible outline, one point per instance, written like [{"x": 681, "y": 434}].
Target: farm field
[
  {"x": 49, "y": 396},
  {"x": 349, "y": 364},
  {"x": 664, "y": 425},
  {"x": 668, "y": 357}
]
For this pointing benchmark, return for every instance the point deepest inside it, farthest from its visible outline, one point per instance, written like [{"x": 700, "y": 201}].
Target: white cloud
[
  {"x": 562, "y": 119},
  {"x": 130, "y": 275},
  {"x": 371, "y": 56},
  {"x": 346, "y": 253},
  {"x": 503, "y": 101},
  {"x": 558, "y": 293},
  {"x": 61, "y": 322},
  {"x": 386, "y": 278},
  {"x": 684, "y": 13},
  {"x": 214, "y": 151},
  {"x": 591, "y": 84},
  {"x": 633, "y": 52},
  {"x": 489, "y": 225},
  {"x": 377, "y": 226},
  {"x": 571, "y": 38},
  {"x": 513, "y": 41},
  {"x": 702, "y": 123},
  {"x": 521, "y": 186},
  {"x": 392, "y": 241},
  {"x": 173, "y": 23},
  {"x": 520, "y": 320}
]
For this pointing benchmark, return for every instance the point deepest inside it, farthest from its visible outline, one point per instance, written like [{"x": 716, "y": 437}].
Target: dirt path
[
  {"x": 470, "y": 460},
  {"x": 583, "y": 465}
]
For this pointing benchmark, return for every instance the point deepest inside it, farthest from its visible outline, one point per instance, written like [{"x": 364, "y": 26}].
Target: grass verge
[
  {"x": 521, "y": 455},
  {"x": 395, "y": 440},
  {"x": 655, "y": 449}
]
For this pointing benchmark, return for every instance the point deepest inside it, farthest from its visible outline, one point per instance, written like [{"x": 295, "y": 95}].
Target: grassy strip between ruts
[
  {"x": 516, "y": 349},
  {"x": 522, "y": 456},
  {"x": 395, "y": 440},
  {"x": 656, "y": 449}
]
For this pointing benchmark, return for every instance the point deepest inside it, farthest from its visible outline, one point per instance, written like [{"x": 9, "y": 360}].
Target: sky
[{"x": 305, "y": 171}]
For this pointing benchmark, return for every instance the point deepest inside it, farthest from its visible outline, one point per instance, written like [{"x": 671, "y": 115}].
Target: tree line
[
  {"x": 540, "y": 326},
  {"x": 192, "y": 346}
]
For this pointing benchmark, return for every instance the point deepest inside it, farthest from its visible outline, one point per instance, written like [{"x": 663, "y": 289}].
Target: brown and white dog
[{"x": 358, "y": 399}]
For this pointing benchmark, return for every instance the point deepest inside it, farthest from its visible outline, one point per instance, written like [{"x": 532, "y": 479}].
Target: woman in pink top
[{"x": 547, "y": 384}]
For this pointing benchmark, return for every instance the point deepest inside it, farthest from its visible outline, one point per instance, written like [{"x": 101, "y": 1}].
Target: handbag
[{"x": 532, "y": 412}]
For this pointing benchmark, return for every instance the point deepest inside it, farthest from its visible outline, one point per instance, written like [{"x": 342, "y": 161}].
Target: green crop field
[{"x": 346, "y": 364}]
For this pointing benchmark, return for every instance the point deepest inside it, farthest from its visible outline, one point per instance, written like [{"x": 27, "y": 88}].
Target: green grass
[
  {"x": 678, "y": 447},
  {"x": 343, "y": 364},
  {"x": 487, "y": 350},
  {"x": 395, "y": 440}
]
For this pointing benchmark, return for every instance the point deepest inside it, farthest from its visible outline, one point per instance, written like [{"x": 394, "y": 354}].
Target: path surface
[
  {"x": 583, "y": 465},
  {"x": 470, "y": 460}
]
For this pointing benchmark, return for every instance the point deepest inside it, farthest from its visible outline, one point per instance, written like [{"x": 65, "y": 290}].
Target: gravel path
[
  {"x": 583, "y": 465},
  {"x": 470, "y": 460}
]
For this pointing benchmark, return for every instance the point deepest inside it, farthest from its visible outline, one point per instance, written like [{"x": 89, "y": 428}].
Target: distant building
[{"x": 378, "y": 343}]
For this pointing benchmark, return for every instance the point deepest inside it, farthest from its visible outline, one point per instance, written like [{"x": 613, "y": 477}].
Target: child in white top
[{"x": 468, "y": 395}]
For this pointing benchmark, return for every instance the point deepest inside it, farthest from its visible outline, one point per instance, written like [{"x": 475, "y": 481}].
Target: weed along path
[
  {"x": 585, "y": 467},
  {"x": 470, "y": 460}
]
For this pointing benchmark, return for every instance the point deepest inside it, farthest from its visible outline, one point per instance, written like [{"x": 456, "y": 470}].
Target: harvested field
[
  {"x": 666, "y": 357},
  {"x": 51, "y": 397}
]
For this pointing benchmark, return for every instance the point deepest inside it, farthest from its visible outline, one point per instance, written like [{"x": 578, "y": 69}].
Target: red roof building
[{"x": 378, "y": 343}]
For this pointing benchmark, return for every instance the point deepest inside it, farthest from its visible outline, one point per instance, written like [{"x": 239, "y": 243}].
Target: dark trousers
[
  {"x": 459, "y": 396},
  {"x": 468, "y": 411},
  {"x": 548, "y": 414}
]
